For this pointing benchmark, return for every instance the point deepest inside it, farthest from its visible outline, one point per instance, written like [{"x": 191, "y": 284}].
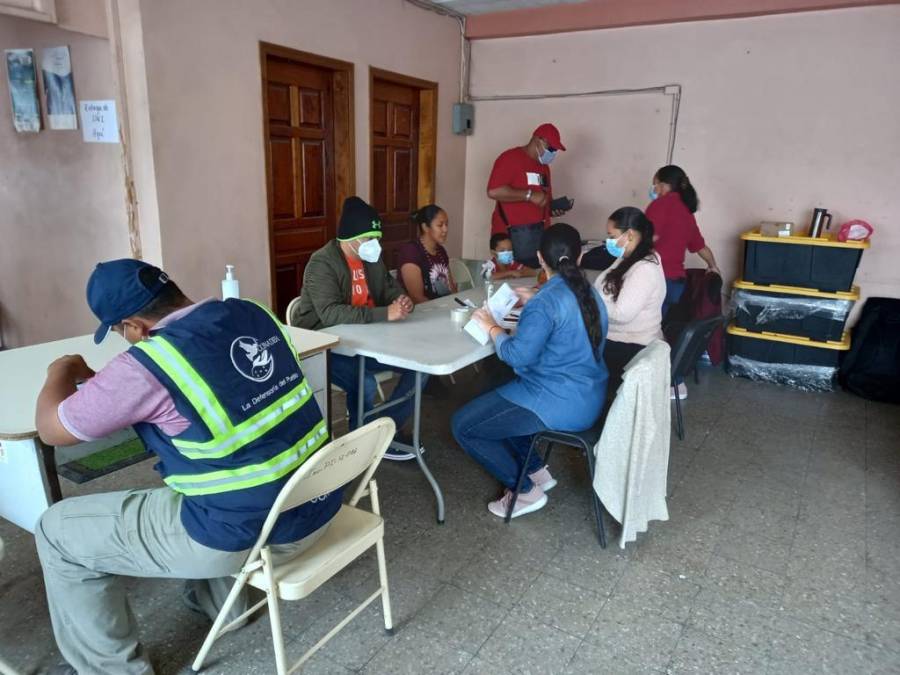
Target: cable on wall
[
  {"x": 673, "y": 90},
  {"x": 464, "y": 44}
]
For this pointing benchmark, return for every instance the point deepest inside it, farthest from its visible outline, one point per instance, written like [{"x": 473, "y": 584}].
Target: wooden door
[
  {"x": 395, "y": 150},
  {"x": 300, "y": 134}
]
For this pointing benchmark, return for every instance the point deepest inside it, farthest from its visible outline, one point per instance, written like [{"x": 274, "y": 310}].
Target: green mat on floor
[{"x": 104, "y": 461}]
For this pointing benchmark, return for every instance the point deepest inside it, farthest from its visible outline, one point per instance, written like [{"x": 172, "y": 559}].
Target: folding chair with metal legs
[
  {"x": 351, "y": 533},
  {"x": 688, "y": 348},
  {"x": 585, "y": 440}
]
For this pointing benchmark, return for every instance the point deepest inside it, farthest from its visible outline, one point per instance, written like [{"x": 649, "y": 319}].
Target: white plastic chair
[
  {"x": 461, "y": 275},
  {"x": 350, "y": 534},
  {"x": 290, "y": 308}
]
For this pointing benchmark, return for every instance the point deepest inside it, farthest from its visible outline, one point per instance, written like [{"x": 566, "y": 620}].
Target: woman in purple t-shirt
[{"x": 423, "y": 263}]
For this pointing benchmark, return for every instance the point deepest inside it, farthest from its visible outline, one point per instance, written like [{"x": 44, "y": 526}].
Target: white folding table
[
  {"x": 28, "y": 479},
  {"x": 427, "y": 342}
]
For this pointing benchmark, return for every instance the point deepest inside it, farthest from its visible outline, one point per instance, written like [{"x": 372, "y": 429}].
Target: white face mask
[{"x": 370, "y": 251}]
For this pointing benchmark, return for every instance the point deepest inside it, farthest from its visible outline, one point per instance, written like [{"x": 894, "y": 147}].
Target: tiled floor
[{"x": 781, "y": 555}]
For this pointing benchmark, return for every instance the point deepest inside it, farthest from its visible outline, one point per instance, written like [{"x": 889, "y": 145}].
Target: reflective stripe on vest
[
  {"x": 226, "y": 438},
  {"x": 188, "y": 382},
  {"x": 253, "y": 475}
]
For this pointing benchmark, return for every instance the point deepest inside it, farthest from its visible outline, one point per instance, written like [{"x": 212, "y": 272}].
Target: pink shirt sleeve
[{"x": 118, "y": 396}]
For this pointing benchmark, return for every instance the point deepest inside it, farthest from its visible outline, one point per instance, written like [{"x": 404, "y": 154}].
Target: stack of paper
[{"x": 500, "y": 304}]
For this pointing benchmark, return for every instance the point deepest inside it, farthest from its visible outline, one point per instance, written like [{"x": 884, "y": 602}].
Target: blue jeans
[
  {"x": 497, "y": 434},
  {"x": 345, "y": 374},
  {"x": 674, "y": 291}
]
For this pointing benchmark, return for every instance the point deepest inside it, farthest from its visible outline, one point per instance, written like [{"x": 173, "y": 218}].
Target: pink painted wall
[
  {"x": 206, "y": 112},
  {"x": 594, "y": 14},
  {"x": 779, "y": 114},
  {"x": 61, "y": 200}
]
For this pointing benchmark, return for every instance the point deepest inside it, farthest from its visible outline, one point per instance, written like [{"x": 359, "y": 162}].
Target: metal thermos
[{"x": 820, "y": 216}]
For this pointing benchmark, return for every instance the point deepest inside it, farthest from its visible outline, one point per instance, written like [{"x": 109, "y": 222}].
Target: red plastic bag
[{"x": 855, "y": 230}]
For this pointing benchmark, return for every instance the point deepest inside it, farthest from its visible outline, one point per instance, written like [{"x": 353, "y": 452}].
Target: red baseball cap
[{"x": 550, "y": 134}]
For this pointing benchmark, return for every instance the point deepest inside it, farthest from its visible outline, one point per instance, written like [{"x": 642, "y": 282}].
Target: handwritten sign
[{"x": 99, "y": 123}]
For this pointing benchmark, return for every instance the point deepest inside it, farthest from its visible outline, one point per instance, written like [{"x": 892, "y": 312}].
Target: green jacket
[{"x": 325, "y": 300}]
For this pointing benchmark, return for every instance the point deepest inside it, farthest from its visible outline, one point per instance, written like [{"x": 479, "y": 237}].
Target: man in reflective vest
[{"x": 216, "y": 391}]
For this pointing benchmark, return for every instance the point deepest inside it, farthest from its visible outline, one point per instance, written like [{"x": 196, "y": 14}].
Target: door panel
[
  {"x": 279, "y": 103},
  {"x": 379, "y": 179},
  {"x": 314, "y": 172},
  {"x": 394, "y": 140},
  {"x": 403, "y": 180},
  {"x": 299, "y": 107},
  {"x": 282, "y": 171}
]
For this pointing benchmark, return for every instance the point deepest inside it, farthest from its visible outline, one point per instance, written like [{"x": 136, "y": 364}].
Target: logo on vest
[{"x": 251, "y": 358}]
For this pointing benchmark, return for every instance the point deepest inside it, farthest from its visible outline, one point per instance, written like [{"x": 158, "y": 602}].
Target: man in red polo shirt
[{"x": 520, "y": 185}]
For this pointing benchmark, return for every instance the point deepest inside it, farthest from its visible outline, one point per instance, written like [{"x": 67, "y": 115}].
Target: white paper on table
[{"x": 500, "y": 305}]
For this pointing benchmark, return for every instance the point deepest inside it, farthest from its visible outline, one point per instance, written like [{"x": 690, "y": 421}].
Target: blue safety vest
[{"x": 234, "y": 375}]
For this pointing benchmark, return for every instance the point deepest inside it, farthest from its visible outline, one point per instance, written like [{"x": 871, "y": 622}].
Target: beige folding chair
[
  {"x": 461, "y": 274},
  {"x": 350, "y": 534}
]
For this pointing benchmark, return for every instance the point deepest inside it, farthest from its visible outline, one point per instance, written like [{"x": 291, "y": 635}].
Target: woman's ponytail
[
  {"x": 629, "y": 218},
  {"x": 424, "y": 216},
  {"x": 676, "y": 178},
  {"x": 560, "y": 248}
]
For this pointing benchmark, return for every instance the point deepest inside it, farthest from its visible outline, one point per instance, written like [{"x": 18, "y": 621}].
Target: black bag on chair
[{"x": 871, "y": 368}]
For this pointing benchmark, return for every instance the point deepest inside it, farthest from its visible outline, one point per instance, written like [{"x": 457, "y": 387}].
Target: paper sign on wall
[
  {"x": 23, "y": 90},
  {"x": 59, "y": 88},
  {"x": 99, "y": 123}
]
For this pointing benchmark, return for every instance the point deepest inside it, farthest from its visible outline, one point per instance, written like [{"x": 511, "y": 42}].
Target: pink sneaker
[
  {"x": 543, "y": 479},
  {"x": 527, "y": 502},
  {"x": 678, "y": 392}
]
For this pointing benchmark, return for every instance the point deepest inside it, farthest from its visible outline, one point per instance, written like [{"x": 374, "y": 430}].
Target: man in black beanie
[{"x": 346, "y": 281}]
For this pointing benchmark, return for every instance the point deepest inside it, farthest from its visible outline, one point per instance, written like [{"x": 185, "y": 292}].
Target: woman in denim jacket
[{"x": 560, "y": 383}]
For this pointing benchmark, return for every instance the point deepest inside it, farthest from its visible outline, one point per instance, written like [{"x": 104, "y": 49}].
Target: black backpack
[{"x": 871, "y": 368}]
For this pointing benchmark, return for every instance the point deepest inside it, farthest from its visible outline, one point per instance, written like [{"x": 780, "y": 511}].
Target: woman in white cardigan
[{"x": 633, "y": 290}]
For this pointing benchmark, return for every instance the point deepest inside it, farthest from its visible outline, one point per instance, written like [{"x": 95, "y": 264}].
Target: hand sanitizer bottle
[
  {"x": 487, "y": 272},
  {"x": 230, "y": 285}
]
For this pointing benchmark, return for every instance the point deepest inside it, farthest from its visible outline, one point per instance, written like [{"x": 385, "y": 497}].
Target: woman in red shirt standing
[{"x": 674, "y": 202}]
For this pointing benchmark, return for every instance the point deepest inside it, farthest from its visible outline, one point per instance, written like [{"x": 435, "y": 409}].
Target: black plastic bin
[
  {"x": 790, "y": 310},
  {"x": 785, "y": 359},
  {"x": 818, "y": 263},
  {"x": 785, "y": 349}
]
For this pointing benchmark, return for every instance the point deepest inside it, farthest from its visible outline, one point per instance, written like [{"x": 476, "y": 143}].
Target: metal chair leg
[
  {"x": 522, "y": 472},
  {"x": 679, "y": 419},
  {"x": 595, "y": 500},
  {"x": 546, "y": 459}
]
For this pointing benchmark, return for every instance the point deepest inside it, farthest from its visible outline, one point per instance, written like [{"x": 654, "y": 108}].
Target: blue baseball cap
[{"x": 115, "y": 291}]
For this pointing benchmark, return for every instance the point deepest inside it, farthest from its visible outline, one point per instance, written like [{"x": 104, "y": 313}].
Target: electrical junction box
[{"x": 463, "y": 119}]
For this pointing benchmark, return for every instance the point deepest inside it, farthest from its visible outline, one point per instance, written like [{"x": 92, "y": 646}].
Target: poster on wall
[
  {"x": 23, "y": 90},
  {"x": 98, "y": 122},
  {"x": 59, "y": 88}
]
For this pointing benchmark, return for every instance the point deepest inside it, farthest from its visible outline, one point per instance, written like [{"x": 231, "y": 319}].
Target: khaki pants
[{"x": 87, "y": 544}]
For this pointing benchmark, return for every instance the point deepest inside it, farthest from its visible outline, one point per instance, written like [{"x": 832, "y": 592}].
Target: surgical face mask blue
[
  {"x": 505, "y": 257},
  {"x": 652, "y": 193},
  {"x": 613, "y": 247},
  {"x": 370, "y": 251},
  {"x": 547, "y": 156}
]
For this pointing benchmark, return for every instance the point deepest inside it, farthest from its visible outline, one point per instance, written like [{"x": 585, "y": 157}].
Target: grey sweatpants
[{"x": 87, "y": 544}]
